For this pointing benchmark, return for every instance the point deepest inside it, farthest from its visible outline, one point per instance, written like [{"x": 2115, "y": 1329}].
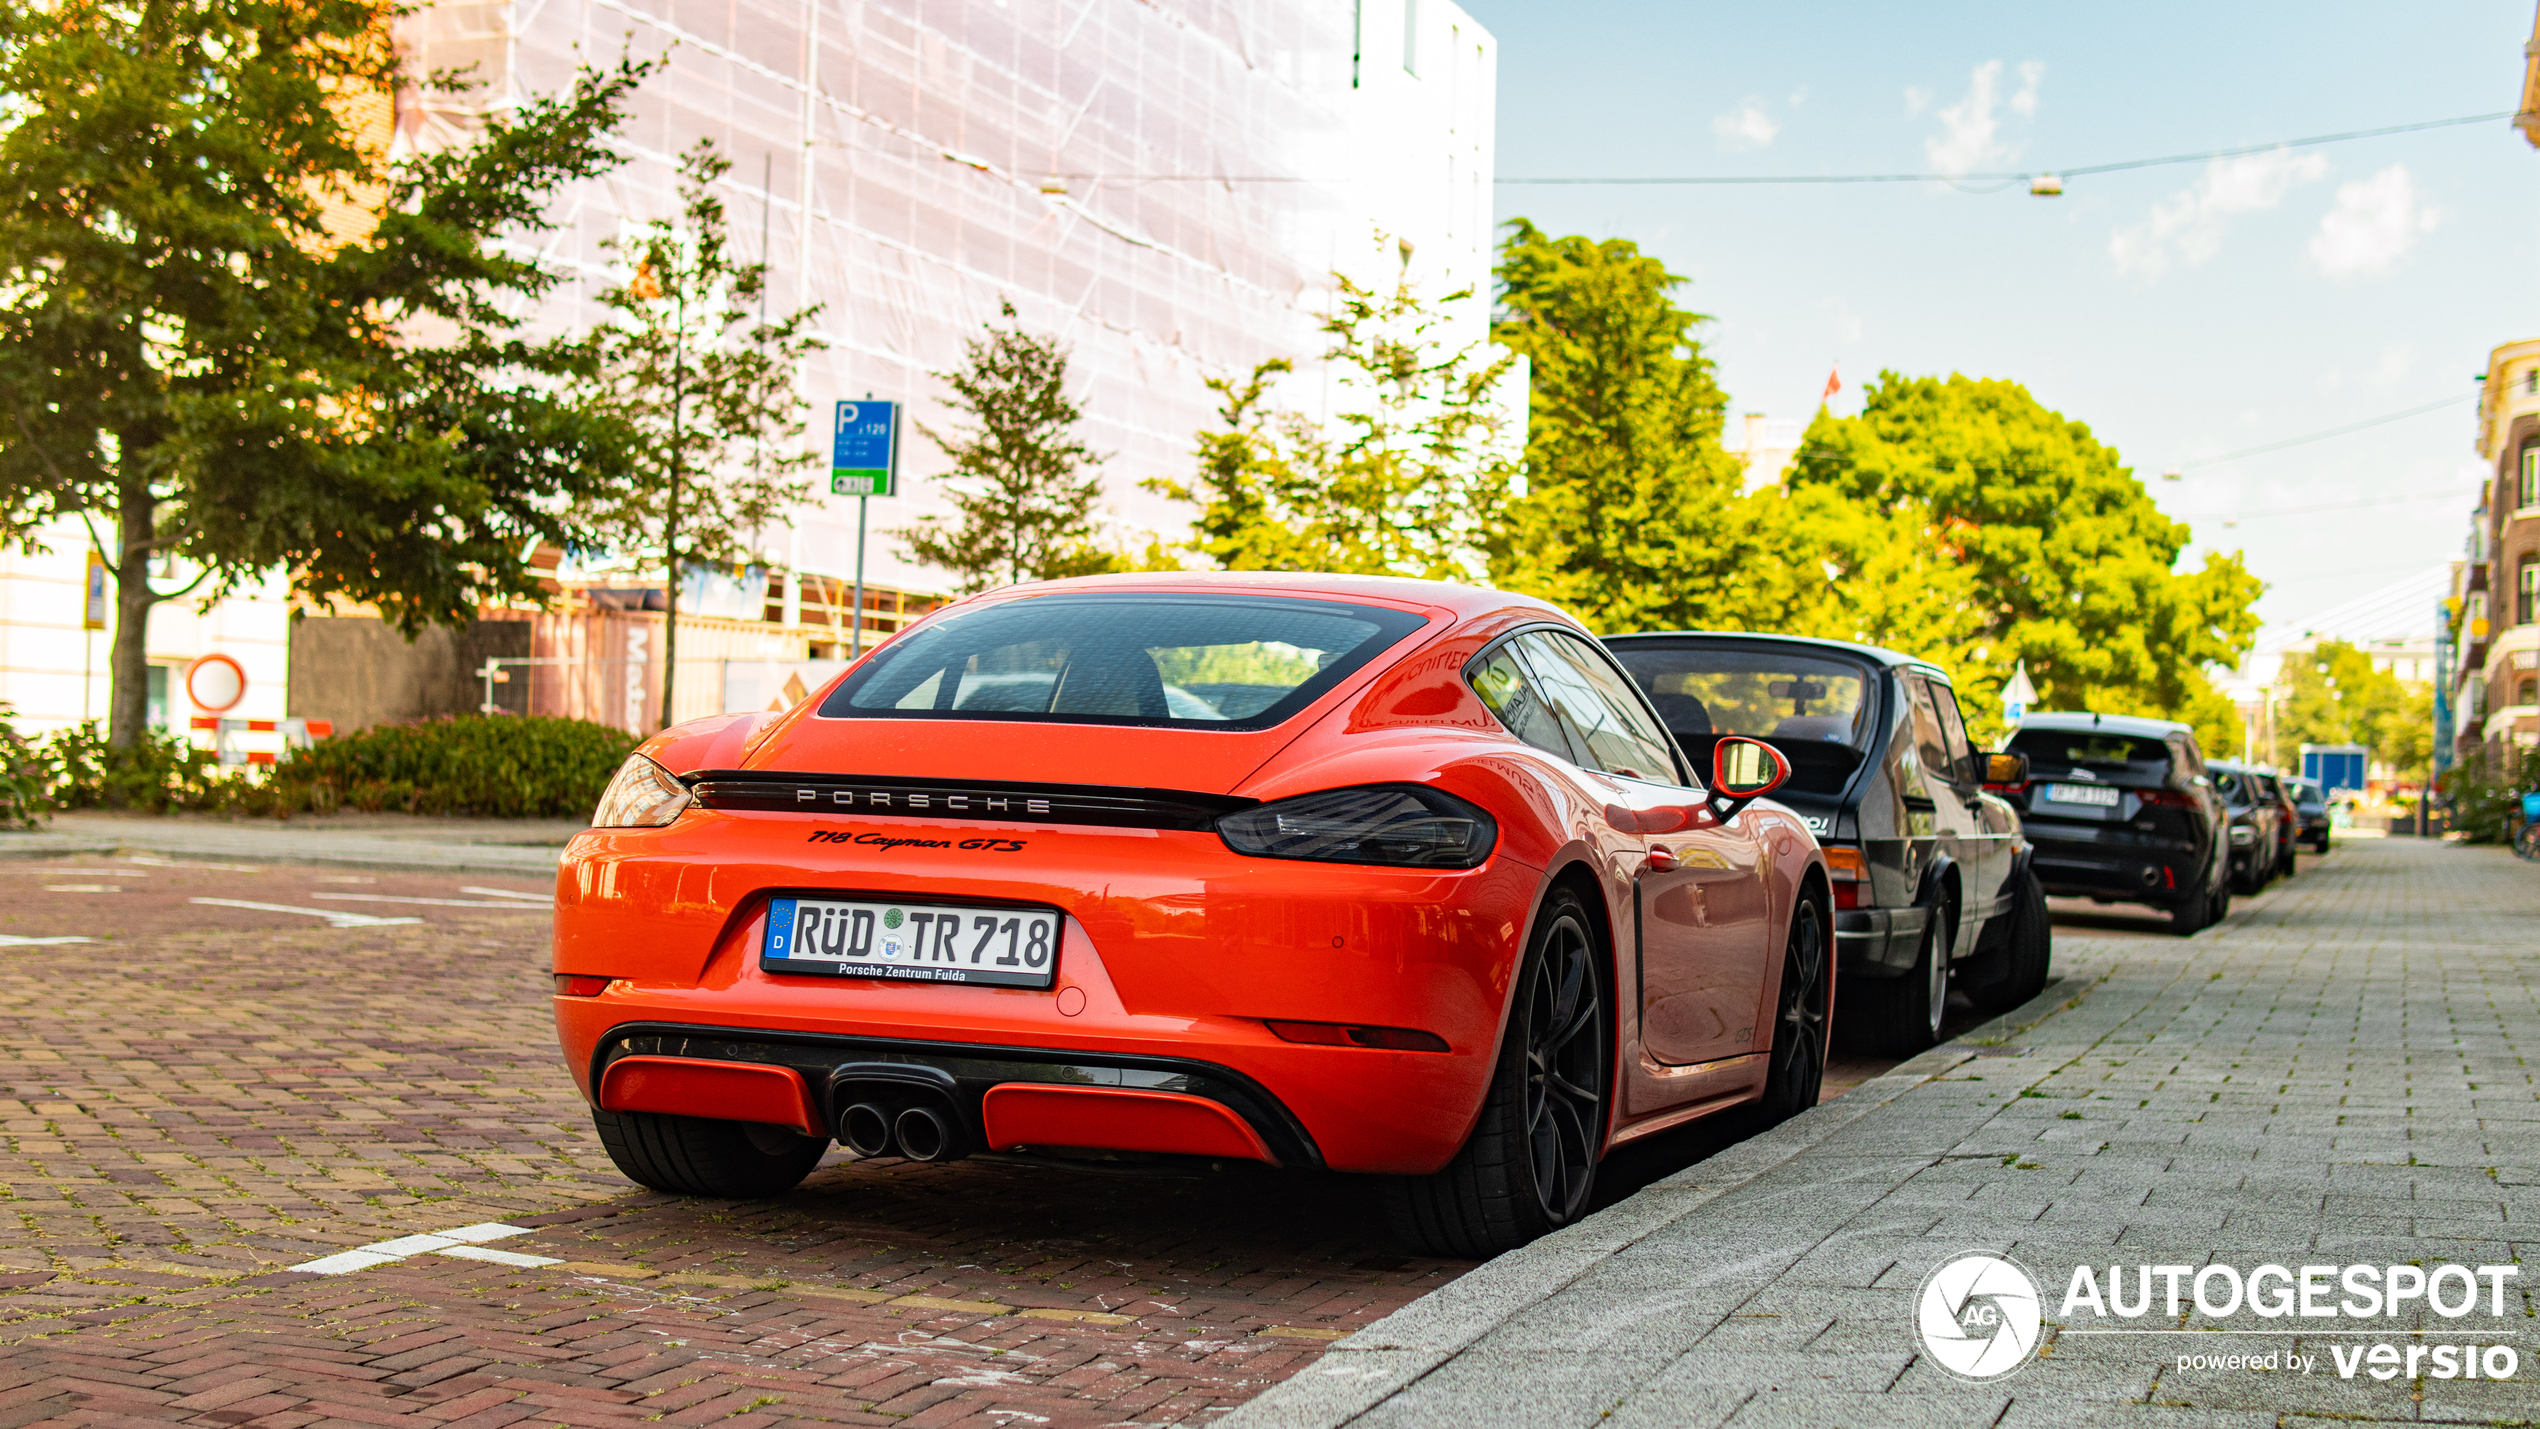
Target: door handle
[{"x": 1661, "y": 860}]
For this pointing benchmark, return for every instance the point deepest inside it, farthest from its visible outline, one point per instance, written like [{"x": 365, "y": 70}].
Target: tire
[
  {"x": 696, "y": 1156},
  {"x": 2190, "y": 916},
  {"x": 1904, "y": 1015},
  {"x": 1797, "y": 1076},
  {"x": 2028, "y": 951},
  {"x": 1529, "y": 1166},
  {"x": 2527, "y": 843}
]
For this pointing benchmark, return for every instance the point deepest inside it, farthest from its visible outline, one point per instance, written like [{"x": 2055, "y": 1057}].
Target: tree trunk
[
  {"x": 670, "y": 599},
  {"x": 670, "y": 525},
  {"x": 128, "y": 659}
]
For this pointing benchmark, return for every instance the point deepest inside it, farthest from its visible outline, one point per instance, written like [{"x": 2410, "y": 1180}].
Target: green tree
[
  {"x": 190, "y": 355},
  {"x": 1633, "y": 518},
  {"x": 707, "y": 386},
  {"x": 1406, "y": 478},
  {"x": 2070, "y": 562},
  {"x": 1024, "y": 485},
  {"x": 2335, "y": 694}
]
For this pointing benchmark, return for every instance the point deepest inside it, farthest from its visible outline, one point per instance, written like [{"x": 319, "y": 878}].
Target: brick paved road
[
  {"x": 206, "y": 1094},
  {"x": 203, "y": 1094},
  {"x": 2340, "y": 1076}
]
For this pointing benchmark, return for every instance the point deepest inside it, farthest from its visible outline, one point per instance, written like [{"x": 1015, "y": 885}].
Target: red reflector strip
[
  {"x": 1847, "y": 895},
  {"x": 580, "y": 985},
  {"x": 1333, "y": 1034},
  {"x": 2164, "y": 799},
  {"x": 2005, "y": 788}
]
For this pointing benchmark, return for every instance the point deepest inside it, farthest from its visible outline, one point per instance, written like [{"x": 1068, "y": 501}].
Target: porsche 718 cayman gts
[{"x": 1384, "y": 876}]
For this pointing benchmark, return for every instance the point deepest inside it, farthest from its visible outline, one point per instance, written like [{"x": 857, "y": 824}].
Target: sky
[{"x": 2181, "y": 312}]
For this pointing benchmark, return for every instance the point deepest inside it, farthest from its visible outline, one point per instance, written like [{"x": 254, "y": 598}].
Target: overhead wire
[
  {"x": 2009, "y": 178},
  {"x": 2322, "y": 436}
]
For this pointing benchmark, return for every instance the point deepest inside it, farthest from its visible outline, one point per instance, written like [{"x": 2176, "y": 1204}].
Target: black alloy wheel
[
  {"x": 1529, "y": 1166},
  {"x": 1798, "y": 1071},
  {"x": 1564, "y": 1107}
]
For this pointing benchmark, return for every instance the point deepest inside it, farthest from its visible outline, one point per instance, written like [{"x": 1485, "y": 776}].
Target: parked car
[
  {"x": 2255, "y": 821},
  {"x": 1931, "y": 874},
  {"x": 2121, "y": 811},
  {"x": 1411, "y": 882},
  {"x": 2288, "y": 820},
  {"x": 2310, "y": 803}
]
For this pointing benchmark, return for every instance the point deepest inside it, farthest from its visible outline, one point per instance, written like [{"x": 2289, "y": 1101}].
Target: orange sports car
[{"x": 1385, "y": 876}]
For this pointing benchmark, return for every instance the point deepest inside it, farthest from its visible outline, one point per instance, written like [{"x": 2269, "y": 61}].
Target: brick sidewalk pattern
[
  {"x": 190, "y": 1111},
  {"x": 2340, "y": 1075}
]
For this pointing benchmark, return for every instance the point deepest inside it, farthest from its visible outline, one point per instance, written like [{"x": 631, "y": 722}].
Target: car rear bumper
[
  {"x": 835, "y": 1071},
  {"x": 1175, "y": 952},
  {"x": 2158, "y": 874},
  {"x": 1878, "y": 942}
]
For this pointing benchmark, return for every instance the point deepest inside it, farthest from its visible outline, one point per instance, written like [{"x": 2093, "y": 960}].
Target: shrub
[
  {"x": 501, "y": 766},
  {"x": 160, "y": 774},
  {"x": 2487, "y": 800},
  {"x": 25, "y": 782}
]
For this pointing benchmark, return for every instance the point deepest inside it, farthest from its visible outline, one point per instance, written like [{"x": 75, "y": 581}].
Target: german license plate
[
  {"x": 2097, "y": 795},
  {"x": 912, "y": 942}
]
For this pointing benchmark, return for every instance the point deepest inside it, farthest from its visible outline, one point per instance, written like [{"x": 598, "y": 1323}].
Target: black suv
[
  {"x": 2310, "y": 802},
  {"x": 2121, "y": 812},
  {"x": 1931, "y": 873},
  {"x": 2258, "y": 836}
]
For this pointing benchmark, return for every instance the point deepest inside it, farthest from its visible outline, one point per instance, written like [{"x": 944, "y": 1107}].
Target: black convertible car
[{"x": 1932, "y": 877}]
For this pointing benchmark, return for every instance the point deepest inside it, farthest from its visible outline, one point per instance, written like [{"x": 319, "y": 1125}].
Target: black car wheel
[
  {"x": 1902, "y": 1015},
  {"x": 2191, "y": 914},
  {"x": 1530, "y": 1165},
  {"x": 701, "y": 1156},
  {"x": 1798, "y": 1073},
  {"x": 2028, "y": 950}
]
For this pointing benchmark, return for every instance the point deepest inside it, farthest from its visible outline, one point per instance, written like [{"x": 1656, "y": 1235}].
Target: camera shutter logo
[{"x": 1978, "y": 1315}]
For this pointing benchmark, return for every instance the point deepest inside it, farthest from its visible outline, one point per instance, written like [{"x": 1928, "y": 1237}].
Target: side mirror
[
  {"x": 2000, "y": 768},
  {"x": 1742, "y": 771}
]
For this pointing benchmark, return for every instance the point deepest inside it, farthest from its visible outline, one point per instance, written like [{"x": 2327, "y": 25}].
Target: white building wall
[
  {"x": 1164, "y": 184},
  {"x": 53, "y": 672}
]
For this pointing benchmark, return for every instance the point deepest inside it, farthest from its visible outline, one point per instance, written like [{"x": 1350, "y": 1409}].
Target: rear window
[
  {"x": 2066, "y": 748},
  {"x": 1760, "y": 693},
  {"x": 1197, "y": 661}
]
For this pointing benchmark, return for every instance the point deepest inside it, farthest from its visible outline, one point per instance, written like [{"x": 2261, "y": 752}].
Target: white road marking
[
  {"x": 461, "y": 1242},
  {"x": 12, "y": 940},
  {"x": 332, "y": 916},
  {"x": 500, "y": 1257},
  {"x": 509, "y": 893},
  {"x": 397, "y": 898},
  {"x": 145, "y": 859},
  {"x": 81, "y": 888}
]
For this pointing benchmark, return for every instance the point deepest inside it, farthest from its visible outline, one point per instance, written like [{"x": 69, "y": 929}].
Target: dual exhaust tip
[{"x": 920, "y": 1133}]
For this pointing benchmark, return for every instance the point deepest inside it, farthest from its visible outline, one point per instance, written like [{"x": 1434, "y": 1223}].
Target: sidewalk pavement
[
  {"x": 2332, "y": 1077},
  {"x": 518, "y": 846}
]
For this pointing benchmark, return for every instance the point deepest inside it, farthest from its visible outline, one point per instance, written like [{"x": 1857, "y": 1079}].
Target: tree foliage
[
  {"x": 1407, "y": 476},
  {"x": 189, "y": 352},
  {"x": 707, "y": 389},
  {"x": 2069, "y": 561},
  {"x": 2335, "y": 694},
  {"x": 1025, "y": 487}
]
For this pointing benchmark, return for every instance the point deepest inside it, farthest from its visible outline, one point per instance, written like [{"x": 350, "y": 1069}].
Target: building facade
[
  {"x": 2495, "y": 691},
  {"x": 1166, "y": 186}
]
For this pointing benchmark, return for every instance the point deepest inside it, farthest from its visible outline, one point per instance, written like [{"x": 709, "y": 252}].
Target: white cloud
[
  {"x": 1798, "y": 96},
  {"x": 2024, "y": 103},
  {"x": 2188, "y": 226},
  {"x": 1745, "y": 127},
  {"x": 1966, "y": 138},
  {"x": 1917, "y": 100},
  {"x": 2372, "y": 225}
]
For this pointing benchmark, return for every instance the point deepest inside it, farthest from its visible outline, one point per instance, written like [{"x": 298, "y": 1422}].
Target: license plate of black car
[
  {"x": 2098, "y": 795},
  {"x": 912, "y": 942}
]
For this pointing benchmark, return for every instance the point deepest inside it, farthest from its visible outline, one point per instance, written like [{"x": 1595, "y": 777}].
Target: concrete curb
[
  {"x": 1357, "y": 1373},
  {"x": 290, "y": 846}
]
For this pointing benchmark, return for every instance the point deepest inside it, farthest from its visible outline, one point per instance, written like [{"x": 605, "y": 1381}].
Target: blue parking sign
[{"x": 864, "y": 450}]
